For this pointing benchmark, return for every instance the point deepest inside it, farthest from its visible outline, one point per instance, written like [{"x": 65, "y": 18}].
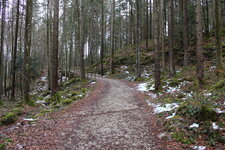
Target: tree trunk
[
  {"x": 138, "y": 39},
  {"x": 2, "y": 46},
  {"x": 185, "y": 31},
  {"x": 81, "y": 28},
  {"x": 200, "y": 59},
  {"x": 171, "y": 38},
  {"x": 112, "y": 37},
  {"x": 147, "y": 24},
  {"x": 156, "y": 36},
  {"x": 218, "y": 30},
  {"x": 27, "y": 48},
  {"x": 15, "y": 52},
  {"x": 54, "y": 49},
  {"x": 162, "y": 33},
  {"x": 102, "y": 38}
]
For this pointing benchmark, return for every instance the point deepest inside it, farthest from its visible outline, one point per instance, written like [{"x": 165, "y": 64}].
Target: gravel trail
[{"x": 115, "y": 121}]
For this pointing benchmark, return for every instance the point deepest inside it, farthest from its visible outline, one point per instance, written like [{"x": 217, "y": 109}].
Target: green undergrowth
[
  {"x": 69, "y": 92},
  {"x": 5, "y": 142},
  {"x": 200, "y": 108}
]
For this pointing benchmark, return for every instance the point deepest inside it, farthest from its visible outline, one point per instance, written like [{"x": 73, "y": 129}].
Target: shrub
[
  {"x": 9, "y": 118},
  {"x": 67, "y": 101},
  {"x": 2, "y": 146},
  {"x": 17, "y": 111},
  {"x": 72, "y": 81},
  {"x": 220, "y": 85}
]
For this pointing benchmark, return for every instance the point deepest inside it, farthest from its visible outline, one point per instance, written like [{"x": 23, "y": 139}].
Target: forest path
[
  {"x": 116, "y": 120},
  {"x": 114, "y": 116}
]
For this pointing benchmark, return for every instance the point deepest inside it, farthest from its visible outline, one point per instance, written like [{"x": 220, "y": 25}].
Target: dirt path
[{"x": 112, "y": 119}]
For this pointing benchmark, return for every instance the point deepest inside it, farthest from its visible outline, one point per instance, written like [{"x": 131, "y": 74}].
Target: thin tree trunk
[
  {"x": 185, "y": 31},
  {"x": 162, "y": 33},
  {"x": 156, "y": 36},
  {"x": 112, "y": 37},
  {"x": 218, "y": 30},
  {"x": 200, "y": 59},
  {"x": 81, "y": 28},
  {"x": 171, "y": 38},
  {"x": 147, "y": 24},
  {"x": 138, "y": 39},
  {"x": 102, "y": 38},
  {"x": 54, "y": 49},
  {"x": 27, "y": 48},
  {"x": 15, "y": 52},
  {"x": 2, "y": 45}
]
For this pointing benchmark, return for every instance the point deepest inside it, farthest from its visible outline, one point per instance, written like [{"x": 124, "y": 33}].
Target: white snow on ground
[
  {"x": 142, "y": 87},
  {"x": 64, "y": 79},
  {"x": 218, "y": 110},
  {"x": 123, "y": 67},
  {"x": 187, "y": 95},
  {"x": 199, "y": 147},
  {"x": 40, "y": 102},
  {"x": 158, "y": 108},
  {"x": 169, "y": 117},
  {"x": 145, "y": 74},
  {"x": 152, "y": 95},
  {"x": 215, "y": 126},
  {"x": 194, "y": 125},
  {"x": 93, "y": 82},
  {"x": 170, "y": 89},
  {"x": 146, "y": 87},
  {"x": 44, "y": 78},
  {"x": 29, "y": 119},
  {"x": 208, "y": 94},
  {"x": 130, "y": 78}
]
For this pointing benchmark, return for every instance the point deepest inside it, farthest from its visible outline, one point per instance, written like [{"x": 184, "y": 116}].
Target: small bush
[
  {"x": 1, "y": 103},
  {"x": 67, "y": 101},
  {"x": 220, "y": 85},
  {"x": 207, "y": 113},
  {"x": 2, "y": 146},
  {"x": 17, "y": 111},
  {"x": 180, "y": 137},
  {"x": 9, "y": 118},
  {"x": 72, "y": 81}
]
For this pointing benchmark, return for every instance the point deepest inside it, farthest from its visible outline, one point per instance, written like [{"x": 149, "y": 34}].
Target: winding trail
[
  {"x": 111, "y": 117},
  {"x": 116, "y": 121}
]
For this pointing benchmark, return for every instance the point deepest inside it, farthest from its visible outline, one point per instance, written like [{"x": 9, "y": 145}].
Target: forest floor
[{"x": 113, "y": 116}]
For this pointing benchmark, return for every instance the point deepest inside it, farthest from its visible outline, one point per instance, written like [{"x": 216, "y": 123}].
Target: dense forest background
[{"x": 139, "y": 40}]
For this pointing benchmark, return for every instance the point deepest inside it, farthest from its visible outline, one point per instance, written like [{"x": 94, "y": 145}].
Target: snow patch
[
  {"x": 218, "y": 110},
  {"x": 169, "y": 117},
  {"x": 194, "y": 125},
  {"x": 215, "y": 126},
  {"x": 29, "y": 119},
  {"x": 159, "y": 108},
  {"x": 142, "y": 87},
  {"x": 199, "y": 147},
  {"x": 123, "y": 67}
]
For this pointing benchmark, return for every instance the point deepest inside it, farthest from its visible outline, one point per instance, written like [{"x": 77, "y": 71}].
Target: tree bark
[
  {"x": 171, "y": 39},
  {"x": 156, "y": 32},
  {"x": 27, "y": 48},
  {"x": 112, "y": 37},
  {"x": 200, "y": 59},
  {"x": 138, "y": 38},
  {"x": 218, "y": 30},
  {"x": 54, "y": 49},
  {"x": 2, "y": 45},
  {"x": 15, "y": 52},
  {"x": 185, "y": 31},
  {"x": 102, "y": 38}
]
